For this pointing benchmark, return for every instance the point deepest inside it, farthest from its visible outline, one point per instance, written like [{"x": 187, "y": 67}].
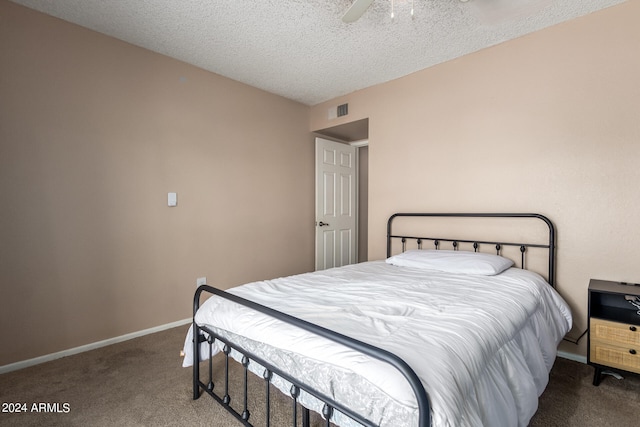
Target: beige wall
[
  {"x": 93, "y": 135},
  {"x": 548, "y": 123}
]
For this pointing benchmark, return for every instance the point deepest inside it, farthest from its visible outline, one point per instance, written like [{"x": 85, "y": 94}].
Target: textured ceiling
[{"x": 301, "y": 49}]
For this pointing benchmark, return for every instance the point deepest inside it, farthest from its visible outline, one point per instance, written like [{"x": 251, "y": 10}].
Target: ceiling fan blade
[{"x": 356, "y": 10}]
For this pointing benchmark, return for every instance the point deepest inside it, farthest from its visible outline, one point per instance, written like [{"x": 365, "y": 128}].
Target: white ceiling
[{"x": 301, "y": 49}]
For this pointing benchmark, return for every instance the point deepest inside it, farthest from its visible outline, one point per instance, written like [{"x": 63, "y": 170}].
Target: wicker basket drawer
[
  {"x": 615, "y": 333},
  {"x": 616, "y": 357}
]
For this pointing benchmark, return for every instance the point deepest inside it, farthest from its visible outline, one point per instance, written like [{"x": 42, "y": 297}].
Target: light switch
[{"x": 172, "y": 199}]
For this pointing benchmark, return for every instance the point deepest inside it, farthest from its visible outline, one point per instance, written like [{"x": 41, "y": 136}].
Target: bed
[{"x": 441, "y": 333}]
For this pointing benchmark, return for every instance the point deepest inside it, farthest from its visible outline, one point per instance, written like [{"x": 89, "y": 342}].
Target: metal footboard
[{"x": 298, "y": 384}]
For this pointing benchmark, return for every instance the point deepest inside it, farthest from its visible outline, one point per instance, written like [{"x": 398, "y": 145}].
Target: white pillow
[{"x": 459, "y": 262}]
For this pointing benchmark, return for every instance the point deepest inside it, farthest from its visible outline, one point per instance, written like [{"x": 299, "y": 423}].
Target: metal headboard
[{"x": 498, "y": 244}]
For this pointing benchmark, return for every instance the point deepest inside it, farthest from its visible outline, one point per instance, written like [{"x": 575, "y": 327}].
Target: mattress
[{"x": 482, "y": 346}]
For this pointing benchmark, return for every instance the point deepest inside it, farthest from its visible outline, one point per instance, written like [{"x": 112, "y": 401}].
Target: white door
[{"x": 336, "y": 204}]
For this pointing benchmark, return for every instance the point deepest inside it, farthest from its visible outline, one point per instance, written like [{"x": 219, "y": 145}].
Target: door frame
[{"x": 361, "y": 144}]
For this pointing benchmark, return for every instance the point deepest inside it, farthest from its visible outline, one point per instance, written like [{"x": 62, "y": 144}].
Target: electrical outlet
[{"x": 201, "y": 281}]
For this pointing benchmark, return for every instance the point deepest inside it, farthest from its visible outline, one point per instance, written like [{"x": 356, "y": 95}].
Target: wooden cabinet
[{"x": 614, "y": 327}]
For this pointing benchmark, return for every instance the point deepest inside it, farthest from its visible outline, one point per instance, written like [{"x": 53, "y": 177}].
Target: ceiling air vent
[{"x": 343, "y": 110}]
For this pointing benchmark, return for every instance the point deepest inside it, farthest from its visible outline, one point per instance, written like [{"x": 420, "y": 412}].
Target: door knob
[{"x": 322, "y": 224}]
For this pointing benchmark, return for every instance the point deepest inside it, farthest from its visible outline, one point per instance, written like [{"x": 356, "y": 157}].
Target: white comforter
[{"x": 482, "y": 345}]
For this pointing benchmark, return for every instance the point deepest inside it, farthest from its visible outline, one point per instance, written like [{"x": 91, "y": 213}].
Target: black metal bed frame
[{"x": 297, "y": 384}]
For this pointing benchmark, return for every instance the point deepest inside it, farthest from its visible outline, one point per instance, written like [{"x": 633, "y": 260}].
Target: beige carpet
[{"x": 140, "y": 383}]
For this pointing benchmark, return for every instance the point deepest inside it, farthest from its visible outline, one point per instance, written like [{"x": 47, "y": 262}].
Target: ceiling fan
[
  {"x": 356, "y": 10},
  {"x": 358, "y": 7},
  {"x": 488, "y": 11}
]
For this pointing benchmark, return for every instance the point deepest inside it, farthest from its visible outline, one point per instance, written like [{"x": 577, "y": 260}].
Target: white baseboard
[
  {"x": 53, "y": 356},
  {"x": 571, "y": 356}
]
